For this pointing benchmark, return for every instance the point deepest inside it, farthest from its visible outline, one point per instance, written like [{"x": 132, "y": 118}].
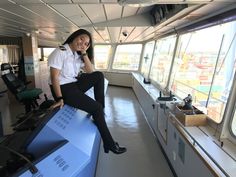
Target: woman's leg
[
  {"x": 95, "y": 80},
  {"x": 76, "y": 98}
]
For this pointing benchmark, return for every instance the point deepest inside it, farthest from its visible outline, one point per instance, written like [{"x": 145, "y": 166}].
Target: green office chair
[{"x": 23, "y": 94}]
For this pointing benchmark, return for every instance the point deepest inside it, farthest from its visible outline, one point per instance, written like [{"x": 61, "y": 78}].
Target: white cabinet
[
  {"x": 185, "y": 161},
  {"x": 148, "y": 105},
  {"x": 163, "y": 112}
]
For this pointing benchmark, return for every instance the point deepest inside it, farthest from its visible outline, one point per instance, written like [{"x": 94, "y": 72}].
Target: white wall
[{"x": 119, "y": 79}]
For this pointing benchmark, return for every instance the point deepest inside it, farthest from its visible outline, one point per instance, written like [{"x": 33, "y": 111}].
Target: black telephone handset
[{"x": 188, "y": 103}]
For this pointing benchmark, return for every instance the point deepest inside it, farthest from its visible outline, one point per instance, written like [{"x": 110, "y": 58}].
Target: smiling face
[{"x": 80, "y": 43}]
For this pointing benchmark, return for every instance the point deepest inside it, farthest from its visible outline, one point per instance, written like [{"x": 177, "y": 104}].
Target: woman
[{"x": 68, "y": 85}]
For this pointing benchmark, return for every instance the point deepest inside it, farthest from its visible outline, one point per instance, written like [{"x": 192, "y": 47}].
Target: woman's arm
[
  {"x": 54, "y": 74},
  {"x": 88, "y": 66}
]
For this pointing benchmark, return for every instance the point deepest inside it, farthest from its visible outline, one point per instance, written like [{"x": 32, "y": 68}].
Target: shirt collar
[{"x": 70, "y": 51}]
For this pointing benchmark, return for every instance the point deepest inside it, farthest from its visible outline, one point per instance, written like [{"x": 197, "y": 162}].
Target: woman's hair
[{"x": 78, "y": 33}]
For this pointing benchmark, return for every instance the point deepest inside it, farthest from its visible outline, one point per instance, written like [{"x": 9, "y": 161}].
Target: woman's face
[{"x": 80, "y": 43}]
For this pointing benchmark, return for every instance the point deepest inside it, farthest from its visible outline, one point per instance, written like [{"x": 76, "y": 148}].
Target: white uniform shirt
[{"x": 67, "y": 62}]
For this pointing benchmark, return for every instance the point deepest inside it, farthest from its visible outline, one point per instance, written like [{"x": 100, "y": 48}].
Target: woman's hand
[
  {"x": 85, "y": 49},
  {"x": 57, "y": 104}
]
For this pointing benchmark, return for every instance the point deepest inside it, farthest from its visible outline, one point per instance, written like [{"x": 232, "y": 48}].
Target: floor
[
  {"x": 17, "y": 109},
  {"x": 128, "y": 126}
]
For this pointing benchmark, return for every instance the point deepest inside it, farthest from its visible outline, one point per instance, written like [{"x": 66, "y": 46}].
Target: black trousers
[{"x": 74, "y": 95}]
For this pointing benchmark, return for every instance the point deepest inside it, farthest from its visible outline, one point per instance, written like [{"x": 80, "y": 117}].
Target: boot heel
[{"x": 106, "y": 150}]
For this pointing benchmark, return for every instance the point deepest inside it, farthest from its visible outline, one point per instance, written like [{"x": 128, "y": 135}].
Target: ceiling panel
[
  {"x": 4, "y": 2},
  {"x": 68, "y": 10},
  {"x": 51, "y": 22},
  {"x": 164, "y": 29},
  {"x": 97, "y": 38},
  {"x": 56, "y": 1},
  {"x": 109, "y": 1},
  {"x": 113, "y": 11},
  {"x": 114, "y": 34},
  {"x": 129, "y": 11},
  {"x": 58, "y": 33},
  {"x": 50, "y": 17},
  {"x": 13, "y": 10},
  {"x": 21, "y": 21},
  {"x": 48, "y": 43},
  {"x": 148, "y": 33},
  {"x": 10, "y": 30},
  {"x": 86, "y": 1},
  {"x": 104, "y": 34},
  {"x": 98, "y": 12},
  {"x": 28, "y": 25},
  {"x": 73, "y": 12},
  {"x": 14, "y": 23},
  {"x": 149, "y": 37},
  {"x": 136, "y": 33},
  {"x": 21, "y": 1}
]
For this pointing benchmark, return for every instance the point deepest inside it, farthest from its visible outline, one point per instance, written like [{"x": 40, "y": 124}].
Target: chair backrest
[{"x": 13, "y": 83}]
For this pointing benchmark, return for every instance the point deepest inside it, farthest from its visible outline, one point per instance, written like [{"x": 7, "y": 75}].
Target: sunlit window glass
[
  {"x": 40, "y": 53},
  {"x": 147, "y": 57},
  {"x": 3, "y": 54},
  {"x": 224, "y": 73},
  {"x": 47, "y": 52},
  {"x": 101, "y": 56},
  {"x": 127, "y": 57},
  {"x": 204, "y": 67},
  {"x": 162, "y": 59}
]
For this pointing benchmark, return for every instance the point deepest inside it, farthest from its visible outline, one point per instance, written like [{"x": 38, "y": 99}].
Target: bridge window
[
  {"x": 3, "y": 54},
  {"x": 101, "y": 56},
  {"x": 204, "y": 67},
  {"x": 44, "y": 52},
  {"x": 47, "y": 52},
  {"x": 147, "y": 58},
  {"x": 162, "y": 59},
  {"x": 127, "y": 57}
]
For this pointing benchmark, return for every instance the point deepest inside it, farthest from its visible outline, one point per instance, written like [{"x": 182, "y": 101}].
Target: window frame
[
  {"x": 232, "y": 109},
  {"x": 151, "y": 58}
]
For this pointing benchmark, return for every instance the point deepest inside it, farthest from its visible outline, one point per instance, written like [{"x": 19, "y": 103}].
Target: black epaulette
[{"x": 61, "y": 47}]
